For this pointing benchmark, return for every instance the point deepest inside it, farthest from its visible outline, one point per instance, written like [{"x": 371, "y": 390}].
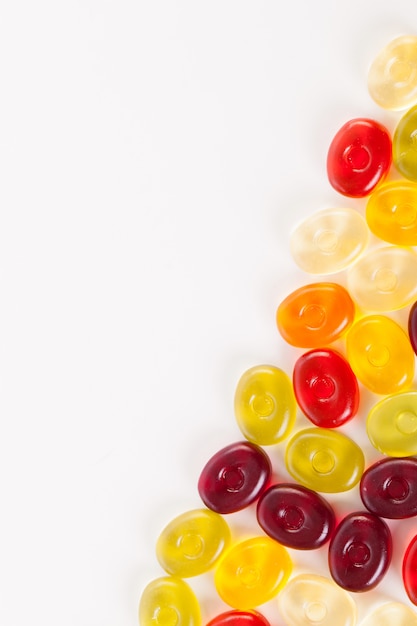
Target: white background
[{"x": 154, "y": 158}]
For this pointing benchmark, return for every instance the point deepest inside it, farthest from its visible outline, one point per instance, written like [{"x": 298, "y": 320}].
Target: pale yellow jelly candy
[
  {"x": 169, "y": 601},
  {"x": 392, "y": 424},
  {"x": 384, "y": 279},
  {"x": 391, "y": 212},
  {"x": 329, "y": 240},
  {"x": 391, "y": 614},
  {"x": 392, "y": 77},
  {"x": 311, "y": 600},
  {"x": 192, "y": 542}
]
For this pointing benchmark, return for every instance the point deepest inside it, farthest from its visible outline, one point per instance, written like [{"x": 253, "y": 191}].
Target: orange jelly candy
[{"x": 315, "y": 315}]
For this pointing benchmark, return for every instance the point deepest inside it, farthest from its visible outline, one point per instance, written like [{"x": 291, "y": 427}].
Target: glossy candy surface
[
  {"x": 192, "y": 542},
  {"x": 388, "y": 488},
  {"x": 391, "y": 212},
  {"x": 392, "y": 77},
  {"x": 360, "y": 551},
  {"x": 404, "y": 146},
  {"x": 310, "y": 600},
  {"x": 234, "y": 477},
  {"x": 315, "y": 315},
  {"x": 412, "y": 326},
  {"x": 265, "y": 406},
  {"x": 252, "y": 572},
  {"x": 391, "y": 614},
  {"x": 392, "y": 424},
  {"x": 324, "y": 460},
  {"x": 359, "y": 157},
  {"x": 380, "y": 354},
  {"x": 409, "y": 570},
  {"x": 329, "y": 240},
  {"x": 295, "y": 516},
  {"x": 167, "y": 601},
  {"x": 239, "y": 618},
  {"x": 326, "y": 388}
]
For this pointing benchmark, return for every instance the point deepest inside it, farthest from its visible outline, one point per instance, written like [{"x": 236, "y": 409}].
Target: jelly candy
[
  {"x": 388, "y": 488},
  {"x": 360, "y": 551},
  {"x": 265, "y": 406},
  {"x": 295, "y": 516},
  {"x": 391, "y": 212},
  {"x": 308, "y": 600},
  {"x": 412, "y": 326},
  {"x": 315, "y": 315},
  {"x": 384, "y": 279},
  {"x": 324, "y": 460},
  {"x": 234, "y": 477},
  {"x": 359, "y": 157},
  {"x": 167, "y": 601},
  {"x": 329, "y": 240},
  {"x": 252, "y": 572},
  {"x": 392, "y": 424},
  {"x": 380, "y": 354},
  {"x": 239, "y": 618},
  {"x": 391, "y": 614},
  {"x": 325, "y": 387},
  {"x": 404, "y": 149},
  {"x": 192, "y": 543},
  {"x": 392, "y": 78},
  {"x": 410, "y": 570}
]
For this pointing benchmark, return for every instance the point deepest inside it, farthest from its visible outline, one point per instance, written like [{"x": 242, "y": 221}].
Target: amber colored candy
[
  {"x": 380, "y": 354},
  {"x": 388, "y": 488},
  {"x": 391, "y": 212},
  {"x": 169, "y": 601},
  {"x": 409, "y": 570},
  {"x": 392, "y": 424},
  {"x": 239, "y": 618},
  {"x": 315, "y": 315},
  {"x": 412, "y": 326},
  {"x": 391, "y": 614},
  {"x": 404, "y": 148}
]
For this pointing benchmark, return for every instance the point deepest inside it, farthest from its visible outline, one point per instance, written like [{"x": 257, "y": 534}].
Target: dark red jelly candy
[
  {"x": 234, "y": 477},
  {"x": 326, "y": 388},
  {"x": 412, "y": 326},
  {"x": 359, "y": 157},
  {"x": 295, "y": 516},
  {"x": 239, "y": 618},
  {"x": 360, "y": 552},
  {"x": 410, "y": 570},
  {"x": 389, "y": 488}
]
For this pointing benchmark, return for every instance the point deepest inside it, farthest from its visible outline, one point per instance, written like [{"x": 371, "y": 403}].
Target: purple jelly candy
[
  {"x": 412, "y": 326},
  {"x": 389, "y": 488}
]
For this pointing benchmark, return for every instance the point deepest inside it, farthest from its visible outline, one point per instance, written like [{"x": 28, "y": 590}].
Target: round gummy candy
[
  {"x": 392, "y": 424},
  {"x": 391, "y": 212},
  {"x": 391, "y": 614},
  {"x": 167, "y": 601},
  {"x": 404, "y": 149},
  {"x": 410, "y": 570},
  {"x": 388, "y": 488},
  {"x": 239, "y": 618}
]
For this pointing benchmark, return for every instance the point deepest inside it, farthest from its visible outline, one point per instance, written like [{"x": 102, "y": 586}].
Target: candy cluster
[{"x": 376, "y": 353}]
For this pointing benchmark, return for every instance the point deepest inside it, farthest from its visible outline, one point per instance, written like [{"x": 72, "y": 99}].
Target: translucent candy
[
  {"x": 360, "y": 552},
  {"x": 295, "y": 516},
  {"x": 359, "y": 157},
  {"x": 310, "y": 600},
  {"x": 169, "y": 601},
  {"x": 239, "y": 618},
  {"x": 388, "y": 488},
  {"x": 391, "y": 212},
  {"x": 315, "y": 315},
  {"x": 329, "y": 240},
  {"x": 234, "y": 477},
  {"x": 391, "y": 614},
  {"x": 265, "y": 406},
  {"x": 404, "y": 148},
  {"x": 392, "y": 424},
  {"x": 384, "y": 279},
  {"x": 252, "y": 572},
  {"x": 412, "y": 326},
  {"x": 392, "y": 78},
  {"x": 410, "y": 570},
  {"x": 192, "y": 542},
  {"x": 380, "y": 354},
  {"x": 324, "y": 460},
  {"x": 325, "y": 387}
]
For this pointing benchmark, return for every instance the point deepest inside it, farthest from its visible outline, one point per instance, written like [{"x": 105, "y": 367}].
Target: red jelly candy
[
  {"x": 326, "y": 388},
  {"x": 412, "y": 326},
  {"x": 295, "y": 516},
  {"x": 360, "y": 552},
  {"x": 410, "y": 570},
  {"x": 234, "y": 477},
  {"x": 389, "y": 488},
  {"x": 239, "y": 618},
  {"x": 359, "y": 157}
]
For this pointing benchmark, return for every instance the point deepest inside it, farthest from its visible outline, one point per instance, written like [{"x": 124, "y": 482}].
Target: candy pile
[{"x": 326, "y": 386}]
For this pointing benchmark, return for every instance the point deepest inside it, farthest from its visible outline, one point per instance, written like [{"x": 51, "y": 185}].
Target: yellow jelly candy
[
  {"x": 192, "y": 542},
  {"x": 392, "y": 77},
  {"x": 380, "y": 354},
  {"x": 169, "y": 601},
  {"x": 391, "y": 614},
  {"x": 324, "y": 460},
  {"x": 404, "y": 148},
  {"x": 392, "y": 424},
  {"x": 252, "y": 572},
  {"x": 391, "y": 212},
  {"x": 265, "y": 406}
]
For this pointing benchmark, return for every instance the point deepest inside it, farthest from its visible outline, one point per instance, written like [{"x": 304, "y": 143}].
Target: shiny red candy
[
  {"x": 239, "y": 618},
  {"x": 326, "y": 388},
  {"x": 359, "y": 157},
  {"x": 295, "y": 516},
  {"x": 410, "y": 570},
  {"x": 360, "y": 552},
  {"x": 389, "y": 488},
  {"x": 412, "y": 326},
  {"x": 234, "y": 477}
]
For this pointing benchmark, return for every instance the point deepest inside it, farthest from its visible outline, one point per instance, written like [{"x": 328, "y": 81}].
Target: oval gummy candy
[
  {"x": 169, "y": 600},
  {"x": 391, "y": 614},
  {"x": 391, "y": 212},
  {"x": 410, "y": 570},
  {"x": 404, "y": 147},
  {"x": 239, "y": 618},
  {"x": 388, "y": 488},
  {"x": 392, "y": 424}
]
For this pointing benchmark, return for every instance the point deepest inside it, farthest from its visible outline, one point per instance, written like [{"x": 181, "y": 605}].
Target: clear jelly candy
[
  {"x": 392, "y": 424},
  {"x": 404, "y": 148},
  {"x": 239, "y": 618},
  {"x": 311, "y": 600},
  {"x": 410, "y": 570},
  {"x": 329, "y": 240},
  {"x": 265, "y": 406},
  {"x": 169, "y": 601},
  {"x": 391, "y": 614},
  {"x": 391, "y": 212},
  {"x": 388, "y": 488}
]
